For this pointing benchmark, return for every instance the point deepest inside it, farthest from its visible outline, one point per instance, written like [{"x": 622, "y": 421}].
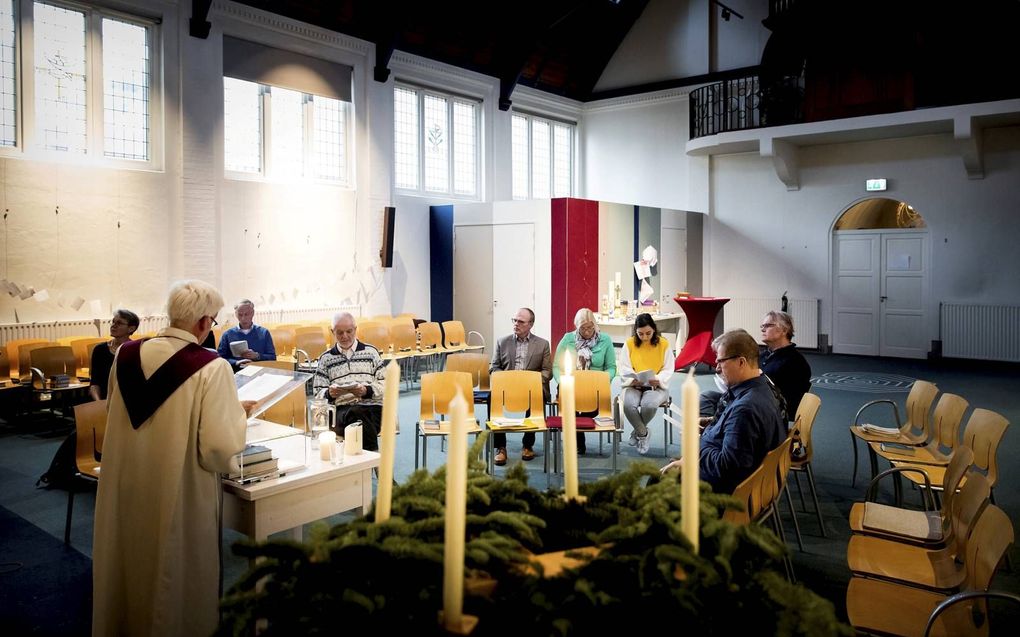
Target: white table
[{"x": 317, "y": 491}]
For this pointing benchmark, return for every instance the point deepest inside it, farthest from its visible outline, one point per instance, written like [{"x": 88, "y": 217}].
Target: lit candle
[
  {"x": 691, "y": 456},
  {"x": 567, "y": 403},
  {"x": 456, "y": 512},
  {"x": 391, "y": 399},
  {"x": 327, "y": 442}
]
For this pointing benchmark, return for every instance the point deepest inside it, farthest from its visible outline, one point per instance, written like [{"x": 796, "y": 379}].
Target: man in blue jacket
[
  {"x": 749, "y": 426},
  {"x": 259, "y": 340}
]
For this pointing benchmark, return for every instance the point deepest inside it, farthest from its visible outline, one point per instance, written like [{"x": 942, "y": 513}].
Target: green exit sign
[{"x": 873, "y": 185}]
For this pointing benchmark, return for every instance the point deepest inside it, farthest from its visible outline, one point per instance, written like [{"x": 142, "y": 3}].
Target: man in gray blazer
[{"x": 521, "y": 350}]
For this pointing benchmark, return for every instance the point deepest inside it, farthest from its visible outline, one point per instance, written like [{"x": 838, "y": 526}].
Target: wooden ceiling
[{"x": 556, "y": 46}]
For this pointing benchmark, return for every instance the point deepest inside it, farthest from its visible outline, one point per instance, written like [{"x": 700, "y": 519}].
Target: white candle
[
  {"x": 612, "y": 296},
  {"x": 569, "y": 416},
  {"x": 388, "y": 442},
  {"x": 327, "y": 442},
  {"x": 617, "y": 279},
  {"x": 456, "y": 513},
  {"x": 691, "y": 456}
]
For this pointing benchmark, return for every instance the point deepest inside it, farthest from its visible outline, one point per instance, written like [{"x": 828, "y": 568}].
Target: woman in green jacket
[{"x": 589, "y": 349}]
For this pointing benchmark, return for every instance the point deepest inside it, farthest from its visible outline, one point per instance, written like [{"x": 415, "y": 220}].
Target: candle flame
[{"x": 568, "y": 364}]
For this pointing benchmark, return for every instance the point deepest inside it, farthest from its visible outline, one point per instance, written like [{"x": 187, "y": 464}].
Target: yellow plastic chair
[
  {"x": 89, "y": 431},
  {"x": 803, "y": 451},
  {"x": 915, "y": 430},
  {"x": 888, "y": 608},
  {"x": 438, "y": 389},
  {"x": 14, "y": 356}
]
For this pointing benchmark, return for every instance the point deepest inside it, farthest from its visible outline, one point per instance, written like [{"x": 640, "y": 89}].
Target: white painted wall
[
  {"x": 667, "y": 41},
  {"x": 633, "y": 151},
  {"x": 538, "y": 212},
  {"x": 762, "y": 239}
]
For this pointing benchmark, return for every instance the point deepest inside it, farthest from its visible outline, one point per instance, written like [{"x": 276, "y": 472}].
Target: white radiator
[
  {"x": 59, "y": 329},
  {"x": 987, "y": 332},
  {"x": 747, "y": 314},
  {"x": 300, "y": 315}
]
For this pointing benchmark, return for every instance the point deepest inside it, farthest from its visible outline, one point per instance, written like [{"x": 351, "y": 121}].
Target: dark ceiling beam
[
  {"x": 199, "y": 25},
  {"x": 385, "y": 26}
]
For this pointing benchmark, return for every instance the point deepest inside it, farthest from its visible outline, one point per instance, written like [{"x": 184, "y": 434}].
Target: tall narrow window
[
  {"x": 542, "y": 157},
  {"x": 60, "y": 95},
  {"x": 562, "y": 159},
  {"x": 436, "y": 142},
  {"x": 437, "y": 147},
  {"x": 126, "y": 82},
  {"x": 8, "y": 79},
  {"x": 242, "y": 126},
  {"x": 519, "y": 156},
  {"x": 405, "y": 134},
  {"x": 288, "y": 131},
  {"x": 330, "y": 136},
  {"x": 465, "y": 164}
]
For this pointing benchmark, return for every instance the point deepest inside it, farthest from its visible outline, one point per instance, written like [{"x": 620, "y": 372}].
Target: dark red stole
[{"x": 142, "y": 396}]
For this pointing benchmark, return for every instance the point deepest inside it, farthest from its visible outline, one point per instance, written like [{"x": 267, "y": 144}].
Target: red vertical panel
[{"x": 575, "y": 249}]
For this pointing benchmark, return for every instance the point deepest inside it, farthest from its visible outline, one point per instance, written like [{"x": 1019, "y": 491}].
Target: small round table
[{"x": 701, "y": 312}]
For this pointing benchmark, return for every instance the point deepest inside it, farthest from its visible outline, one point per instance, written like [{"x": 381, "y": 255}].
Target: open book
[
  {"x": 640, "y": 379},
  {"x": 266, "y": 385}
]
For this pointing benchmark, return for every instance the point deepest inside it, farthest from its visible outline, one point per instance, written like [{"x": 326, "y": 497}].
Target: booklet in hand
[
  {"x": 640, "y": 379},
  {"x": 237, "y": 348}
]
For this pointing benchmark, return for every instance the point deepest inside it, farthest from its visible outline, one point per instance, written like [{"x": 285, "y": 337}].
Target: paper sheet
[
  {"x": 646, "y": 291},
  {"x": 264, "y": 385},
  {"x": 96, "y": 306},
  {"x": 642, "y": 269},
  {"x": 248, "y": 370}
]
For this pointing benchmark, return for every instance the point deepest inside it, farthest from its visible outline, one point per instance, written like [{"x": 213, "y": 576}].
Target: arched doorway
[{"x": 880, "y": 280}]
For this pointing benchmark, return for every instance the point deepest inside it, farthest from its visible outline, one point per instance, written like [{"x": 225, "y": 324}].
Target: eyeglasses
[
  {"x": 517, "y": 321},
  {"x": 214, "y": 321},
  {"x": 119, "y": 323},
  {"x": 766, "y": 326},
  {"x": 719, "y": 361}
]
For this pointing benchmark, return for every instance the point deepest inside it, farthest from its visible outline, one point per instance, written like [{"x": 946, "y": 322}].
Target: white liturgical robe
[{"x": 156, "y": 566}]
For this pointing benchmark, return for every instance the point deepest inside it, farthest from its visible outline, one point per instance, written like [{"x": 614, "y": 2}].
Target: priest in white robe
[{"x": 174, "y": 424}]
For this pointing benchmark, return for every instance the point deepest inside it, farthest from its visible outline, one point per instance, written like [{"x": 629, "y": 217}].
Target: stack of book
[
  {"x": 60, "y": 380},
  {"x": 256, "y": 461}
]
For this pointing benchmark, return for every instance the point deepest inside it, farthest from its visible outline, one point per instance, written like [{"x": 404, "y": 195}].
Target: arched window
[{"x": 880, "y": 213}]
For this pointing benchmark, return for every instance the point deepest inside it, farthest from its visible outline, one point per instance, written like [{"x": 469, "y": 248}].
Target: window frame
[
  {"x": 265, "y": 173},
  {"x": 28, "y": 143},
  {"x": 451, "y": 97},
  {"x": 552, "y": 122}
]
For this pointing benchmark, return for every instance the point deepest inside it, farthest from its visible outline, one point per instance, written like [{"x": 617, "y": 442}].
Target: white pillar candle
[
  {"x": 569, "y": 417},
  {"x": 618, "y": 279},
  {"x": 327, "y": 444},
  {"x": 388, "y": 442},
  {"x": 456, "y": 513},
  {"x": 689, "y": 510},
  {"x": 612, "y": 296}
]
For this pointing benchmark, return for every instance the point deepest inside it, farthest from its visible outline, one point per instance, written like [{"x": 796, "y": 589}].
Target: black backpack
[{"x": 63, "y": 468}]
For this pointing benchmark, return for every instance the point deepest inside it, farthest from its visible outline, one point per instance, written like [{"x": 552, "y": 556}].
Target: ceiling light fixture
[{"x": 727, "y": 11}]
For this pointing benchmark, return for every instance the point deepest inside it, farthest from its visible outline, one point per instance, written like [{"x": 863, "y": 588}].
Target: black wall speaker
[{"x": 386, "y": 252}]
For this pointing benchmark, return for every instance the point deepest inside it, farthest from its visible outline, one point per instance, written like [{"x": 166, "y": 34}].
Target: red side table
[{"x": 701, "y": 312}]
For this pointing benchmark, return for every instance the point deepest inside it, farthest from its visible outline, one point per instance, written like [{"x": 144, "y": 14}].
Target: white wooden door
[
  {"x": 672, "y": 267},
  {"x": 904, "y": 295},
  {"x": 472, "y": 279},
  {"x": 880, "y": 297},
  {"x": 513, "y": 275},
  {"x": 856, "y": 293}
]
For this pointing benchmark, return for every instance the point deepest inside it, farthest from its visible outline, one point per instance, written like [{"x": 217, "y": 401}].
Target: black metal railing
[{"x": 745, "y": 102}]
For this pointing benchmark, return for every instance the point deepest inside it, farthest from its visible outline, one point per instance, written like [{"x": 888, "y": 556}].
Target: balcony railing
[{"x": 743, "y": 103}]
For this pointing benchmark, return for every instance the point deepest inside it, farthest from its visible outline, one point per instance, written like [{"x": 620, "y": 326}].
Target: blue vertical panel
[
  {"x": 636, "y": 282},
  {"x": 441, "y": 262}
]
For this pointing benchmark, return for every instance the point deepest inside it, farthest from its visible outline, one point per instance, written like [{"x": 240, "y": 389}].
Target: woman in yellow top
[{"x": 646, "y": 351}]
